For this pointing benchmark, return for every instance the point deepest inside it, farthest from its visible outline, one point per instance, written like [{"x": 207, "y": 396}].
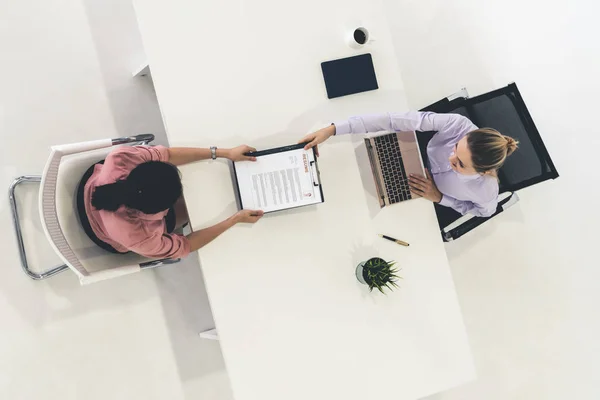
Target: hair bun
[{"x": 511, "y": 145}]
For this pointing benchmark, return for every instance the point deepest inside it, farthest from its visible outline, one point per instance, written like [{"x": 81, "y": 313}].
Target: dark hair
[
  {"x": 489, "y": 149},
  {"x": 150, "y": 187}
]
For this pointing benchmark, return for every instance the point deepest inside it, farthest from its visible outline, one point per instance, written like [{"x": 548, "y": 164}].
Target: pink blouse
[{"x": 127, "y": 229}]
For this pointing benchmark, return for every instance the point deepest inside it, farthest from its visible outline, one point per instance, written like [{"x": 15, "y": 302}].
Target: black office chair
[{"x": 504, "y": 110}]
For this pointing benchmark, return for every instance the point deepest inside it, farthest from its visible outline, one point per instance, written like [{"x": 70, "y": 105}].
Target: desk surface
[{"x": 293, "y": 321}]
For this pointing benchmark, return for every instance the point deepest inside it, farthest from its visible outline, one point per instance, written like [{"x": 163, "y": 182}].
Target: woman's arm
[
  {"x": 203, "y": 237},
  {"x": 186, "y": 155},
  {"x": 468, "y": 207},
  {"x": 170, "y": 245},
  {"x": 483, "y": 205},
  {"x": 396, "y": 122},
  {"x": 406, "y": 121}
]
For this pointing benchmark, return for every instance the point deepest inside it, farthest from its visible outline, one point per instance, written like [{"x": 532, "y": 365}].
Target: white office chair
[{"x": 60, "y": 218}]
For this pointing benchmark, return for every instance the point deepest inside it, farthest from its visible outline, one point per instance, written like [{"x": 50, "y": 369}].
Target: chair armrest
[
  {"x": 159, "y": 263},
  {"x": 466, "y": 224},
  {"x": 143, "y": 138},
  {"x": 108, "y": 274},
  {"x": 72, "y": 148}
]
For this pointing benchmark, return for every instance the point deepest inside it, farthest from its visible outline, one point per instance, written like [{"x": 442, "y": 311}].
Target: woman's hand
[
  {"x": 199, "y": 239},
  {"x": 424, "y": 187},
  {"x": 318, "y": 137},
  {"x": 248, "y": 216},
  {"x": 239, "y": 153}
]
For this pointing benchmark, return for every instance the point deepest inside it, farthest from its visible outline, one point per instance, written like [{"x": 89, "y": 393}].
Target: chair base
[{"x": 17, "y": 225}]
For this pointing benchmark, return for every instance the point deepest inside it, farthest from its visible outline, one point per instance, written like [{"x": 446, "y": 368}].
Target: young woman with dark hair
[{"x": 132, "y": 201}]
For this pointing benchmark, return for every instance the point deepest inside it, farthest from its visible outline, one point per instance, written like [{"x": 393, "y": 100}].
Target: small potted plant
[{"x": 378, "y": 274}]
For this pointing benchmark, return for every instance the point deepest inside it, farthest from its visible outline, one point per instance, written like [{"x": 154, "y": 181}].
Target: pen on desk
[{"x": 391, "y": 239}]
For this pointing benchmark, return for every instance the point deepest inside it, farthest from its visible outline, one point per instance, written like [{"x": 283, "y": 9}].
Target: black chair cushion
[{"x": 501, "y": 114}]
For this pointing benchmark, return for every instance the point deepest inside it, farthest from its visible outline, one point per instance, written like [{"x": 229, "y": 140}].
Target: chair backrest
[
  {"x": 60, "y": 218},
  {"x": 505, "y": 111}
]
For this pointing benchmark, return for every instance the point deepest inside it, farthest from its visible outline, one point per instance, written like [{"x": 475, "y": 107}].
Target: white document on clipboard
[{"x": 279, "y": 179}]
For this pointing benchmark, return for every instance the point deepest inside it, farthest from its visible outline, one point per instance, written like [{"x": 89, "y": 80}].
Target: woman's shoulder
[
  {"x": 139, "y": 154},
  {"x": 122, "y": 218},
  {"x": 451, "y": 128},
  {"x": 124, "y": 226},
  {"x": 122, "y": 160},
  {"x": 124, "y": 156},
  {"x": 486, "y": 188},
  {"x": 119, "y": 163}
]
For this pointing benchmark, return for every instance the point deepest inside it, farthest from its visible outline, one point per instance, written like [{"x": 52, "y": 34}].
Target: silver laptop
[{"x": 393, "y": 157}]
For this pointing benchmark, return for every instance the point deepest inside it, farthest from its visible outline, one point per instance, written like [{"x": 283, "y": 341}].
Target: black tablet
[{"x": 349, "y": 75}]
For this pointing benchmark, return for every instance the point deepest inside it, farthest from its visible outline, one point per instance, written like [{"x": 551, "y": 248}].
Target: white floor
[
  {"x": 527, "y": 281},
  {"x": 65, "y": 73}
]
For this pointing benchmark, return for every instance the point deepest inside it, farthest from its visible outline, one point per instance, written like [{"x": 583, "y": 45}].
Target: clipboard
[{"x": 281, "y": 178}]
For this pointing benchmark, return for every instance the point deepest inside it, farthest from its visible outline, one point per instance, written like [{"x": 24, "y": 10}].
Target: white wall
[
  {"x": 527, "y": 281},
  {"x": 65, "y": 76}
]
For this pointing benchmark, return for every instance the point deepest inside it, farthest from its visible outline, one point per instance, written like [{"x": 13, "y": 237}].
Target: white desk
[{"x": 293, "y": 321}]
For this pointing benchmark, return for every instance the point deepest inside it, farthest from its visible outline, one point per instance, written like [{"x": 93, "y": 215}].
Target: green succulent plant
[{"x": 380, "y": 274}]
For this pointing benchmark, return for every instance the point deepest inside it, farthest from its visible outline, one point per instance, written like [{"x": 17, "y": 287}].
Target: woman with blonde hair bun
[{"x": 463, "y": 159}]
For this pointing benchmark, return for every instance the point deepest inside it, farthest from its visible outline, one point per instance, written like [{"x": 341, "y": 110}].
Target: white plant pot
[{"x": 359, "y": 273}]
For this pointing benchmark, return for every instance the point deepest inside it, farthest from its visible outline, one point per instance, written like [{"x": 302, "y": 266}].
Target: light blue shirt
[{"x": 474, "y": 194}]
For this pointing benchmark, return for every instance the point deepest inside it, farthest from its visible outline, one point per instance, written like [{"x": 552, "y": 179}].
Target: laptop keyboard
[{"x": 392, "y": 168}]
